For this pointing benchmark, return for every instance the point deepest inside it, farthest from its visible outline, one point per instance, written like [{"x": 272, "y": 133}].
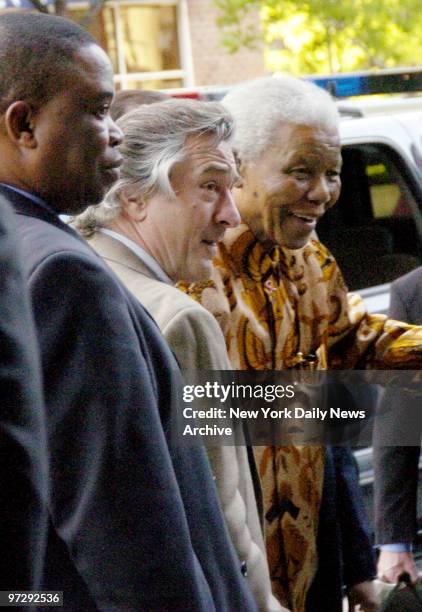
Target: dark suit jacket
[
  {"x": 23, "y": 440},
  {"x": 396, "y": 467},
  {"x": 136, "y": 523}
]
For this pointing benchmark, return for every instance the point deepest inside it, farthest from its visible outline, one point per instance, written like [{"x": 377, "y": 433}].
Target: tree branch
[{"x": 42, "y": 8}]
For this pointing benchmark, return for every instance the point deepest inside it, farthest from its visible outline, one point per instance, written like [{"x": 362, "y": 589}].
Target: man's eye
[
  {"x": 210, "y": 186},
  {"x": 300, "y": 172},
  {"x": 102, "y": 111},
  {"x": 333, "y": 174}
]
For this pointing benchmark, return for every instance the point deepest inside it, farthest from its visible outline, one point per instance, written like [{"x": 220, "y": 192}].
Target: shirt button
[{"x": 244, "y": 568}]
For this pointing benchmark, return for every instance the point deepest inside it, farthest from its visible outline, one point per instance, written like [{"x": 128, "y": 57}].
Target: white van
[{"x": 375, "y": 229}]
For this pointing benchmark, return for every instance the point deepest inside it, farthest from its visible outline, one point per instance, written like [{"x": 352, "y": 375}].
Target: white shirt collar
[{"x": 147, "y": 259}]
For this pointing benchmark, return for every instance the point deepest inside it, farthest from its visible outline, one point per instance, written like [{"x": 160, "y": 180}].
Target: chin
[
  {"x": 296, "y": 244},
  {"x": 91, "y": 196},
  {"x": 293, "y": 242}
]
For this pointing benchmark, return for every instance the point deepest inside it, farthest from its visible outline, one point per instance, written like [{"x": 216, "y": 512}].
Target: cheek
[
  {"x": 185, "y": 232},
  {"x": 96, "y": 141},
  {"x": 253, "y": 191},
  {"x": 284, "y": 194},
  {"x": 335, "y": 194},
  {"x": 201, "y": 214}
]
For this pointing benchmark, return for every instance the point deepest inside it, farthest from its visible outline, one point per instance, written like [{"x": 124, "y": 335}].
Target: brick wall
[{"x": 212, "y": 64}]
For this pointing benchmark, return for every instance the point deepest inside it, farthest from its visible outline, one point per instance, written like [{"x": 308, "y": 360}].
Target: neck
[{"x": 125, "y": 227}]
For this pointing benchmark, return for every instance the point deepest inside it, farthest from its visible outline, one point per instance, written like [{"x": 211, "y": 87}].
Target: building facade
[{"x": 161, "y": 44}]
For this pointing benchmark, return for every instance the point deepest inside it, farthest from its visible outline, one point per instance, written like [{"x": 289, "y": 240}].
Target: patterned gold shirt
[{"x": 278, "y": 309}]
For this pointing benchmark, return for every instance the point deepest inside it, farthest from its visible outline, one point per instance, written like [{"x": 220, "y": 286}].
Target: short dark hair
[
  {"x": 36, "y": 51},
  {"x": 128, "y": 99}
]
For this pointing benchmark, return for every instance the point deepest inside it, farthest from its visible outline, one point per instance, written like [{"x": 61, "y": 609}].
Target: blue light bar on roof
[{"x": 366, "y": 83}]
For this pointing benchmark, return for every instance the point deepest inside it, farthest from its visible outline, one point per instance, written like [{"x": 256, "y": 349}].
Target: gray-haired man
[{"x": 161, "y": 224}]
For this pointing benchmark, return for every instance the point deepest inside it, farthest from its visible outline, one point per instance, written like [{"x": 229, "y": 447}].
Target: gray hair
[
  {"x": 154, "y": 140},
  {"x": 260, "y": 105}
]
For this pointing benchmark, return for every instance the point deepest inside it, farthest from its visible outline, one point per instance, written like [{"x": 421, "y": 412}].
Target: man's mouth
[
  {"x": 213, "y": 240},
  {"x": 310, "y": 220},
  {"x": 211, "y": 247},
  {"x": 114, "y": 164},
  {"x": 112, "y": 170}
]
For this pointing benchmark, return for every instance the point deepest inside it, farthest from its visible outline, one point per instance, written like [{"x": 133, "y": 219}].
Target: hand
[
  {"x": 392, "y": 564},
  {"x": 363, "y": 595}
]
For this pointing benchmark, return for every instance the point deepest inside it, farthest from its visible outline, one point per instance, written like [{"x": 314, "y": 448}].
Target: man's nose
[
  {"x": 115, "y": 134},
  {"x": 320, "y": 192},
  {"x": 227, "y": 212}
]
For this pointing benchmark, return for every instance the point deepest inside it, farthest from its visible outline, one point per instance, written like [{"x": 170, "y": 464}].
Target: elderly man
[
  {"x": 135, "y": 523},
  {"x": 282, "y": 303},
  {"x": 161, "y": 223}
]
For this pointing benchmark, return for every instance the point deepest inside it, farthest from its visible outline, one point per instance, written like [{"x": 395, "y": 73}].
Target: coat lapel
[{"x": 116, "y": 252}]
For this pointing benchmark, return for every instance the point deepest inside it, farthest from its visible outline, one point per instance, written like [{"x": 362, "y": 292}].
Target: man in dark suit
[
  {"x": 23, "y": 442},
  {"x": 135, "y": 522},
  {"x": 396, "y": 467}
]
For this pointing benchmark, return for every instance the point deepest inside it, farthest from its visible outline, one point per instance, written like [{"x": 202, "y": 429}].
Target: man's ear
[
  {"x": 133, "y": 204},
  {"x": 19, "y": 124}
]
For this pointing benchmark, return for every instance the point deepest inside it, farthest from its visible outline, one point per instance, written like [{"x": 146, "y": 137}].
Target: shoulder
[
  {"x": 42, "y": 240},
  {"x": 63, "y": 271},
  {"x": 194, "y": 335},
  {"x": 190, "y": 310},
  {"x": 406, "y": 297},
  {"x": 170, "y": 307},
  {"x": 410, "y": 282},
  {"x": 168, "y": 304}
]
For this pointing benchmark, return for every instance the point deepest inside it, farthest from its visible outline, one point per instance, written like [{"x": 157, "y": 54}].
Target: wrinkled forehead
[
  {"x": 301, "y": 141},
  {"x": 299, "y": 134},
  {"x": 207, "y": 155}
]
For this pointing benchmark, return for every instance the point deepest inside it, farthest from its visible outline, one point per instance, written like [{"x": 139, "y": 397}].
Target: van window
[{"x": 372, "y": 231}]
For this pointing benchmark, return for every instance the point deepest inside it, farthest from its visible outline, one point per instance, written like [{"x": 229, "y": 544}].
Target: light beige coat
[{"x": 197, "y": 341}]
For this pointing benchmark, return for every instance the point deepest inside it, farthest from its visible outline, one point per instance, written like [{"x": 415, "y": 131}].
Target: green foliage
[
  {"x": 236, "y": 27},
  {"x": 303, "y": 36}
]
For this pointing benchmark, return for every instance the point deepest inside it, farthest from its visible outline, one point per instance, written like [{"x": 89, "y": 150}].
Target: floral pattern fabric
[{"x": 279, "y": 310}]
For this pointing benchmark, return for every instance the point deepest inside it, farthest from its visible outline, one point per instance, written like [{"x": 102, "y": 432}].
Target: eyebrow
[
  {"x": 302, "y": 160},
  {"x": 223, "y": 168}
]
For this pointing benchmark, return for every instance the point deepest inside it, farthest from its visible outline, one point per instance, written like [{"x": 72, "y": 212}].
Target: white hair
[
  {"x": 261, "y": 105},
  {"x": 154, "y": 140}
]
